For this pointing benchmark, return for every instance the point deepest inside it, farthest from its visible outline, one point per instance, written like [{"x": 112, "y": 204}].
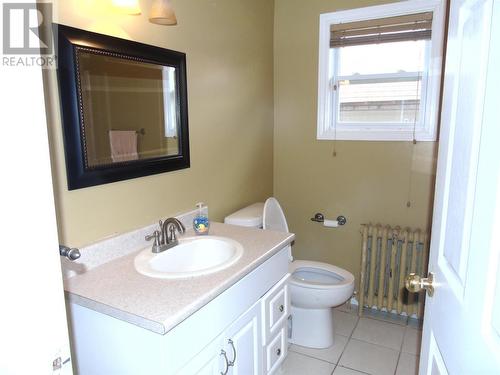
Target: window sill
[{"x": 376, "y": 135}]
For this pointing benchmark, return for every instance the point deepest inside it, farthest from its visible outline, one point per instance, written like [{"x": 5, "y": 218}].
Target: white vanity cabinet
[
  {"x": 253, "y": 345},
  {"x": 247, "y": 324}
]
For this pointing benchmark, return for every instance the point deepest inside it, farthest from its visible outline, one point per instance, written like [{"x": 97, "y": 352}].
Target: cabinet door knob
[
  {"x": 230, "y": 342},
  {"x": 281, "y": 308},
  {"x": 278, "y": 352},
  {"x": 223, "y": 353}
]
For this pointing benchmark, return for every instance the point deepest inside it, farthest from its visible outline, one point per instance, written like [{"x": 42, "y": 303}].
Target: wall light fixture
[{"x": 162, "y": 13}]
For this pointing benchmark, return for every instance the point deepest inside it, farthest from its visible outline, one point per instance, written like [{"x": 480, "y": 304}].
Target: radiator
[{"x": 388, "y": 255}]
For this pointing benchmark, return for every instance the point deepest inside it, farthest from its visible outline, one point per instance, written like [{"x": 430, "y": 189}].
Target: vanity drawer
[
  {"x": 275, "y": 308},
  {"x": 276, "y": 351}
]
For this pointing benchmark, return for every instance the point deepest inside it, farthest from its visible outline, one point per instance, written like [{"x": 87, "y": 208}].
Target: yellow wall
[
  {"x": 366, "y": 182},
  {"x": 229, "y": 47}
]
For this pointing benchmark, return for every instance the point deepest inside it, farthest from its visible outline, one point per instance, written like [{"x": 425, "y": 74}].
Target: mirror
[
  {"x": 112, "y": 90},
  {"x": 124, "y": 107}
]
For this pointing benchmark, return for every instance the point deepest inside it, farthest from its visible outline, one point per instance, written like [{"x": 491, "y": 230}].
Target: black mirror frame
[{"x": 78, "y": 174}]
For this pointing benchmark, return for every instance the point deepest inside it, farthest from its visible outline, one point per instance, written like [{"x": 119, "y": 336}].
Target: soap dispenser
[{"x": 201, "y": 223}]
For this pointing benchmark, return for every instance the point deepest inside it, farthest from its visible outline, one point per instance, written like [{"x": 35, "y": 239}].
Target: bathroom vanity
[{"x": 234, "y": 321}]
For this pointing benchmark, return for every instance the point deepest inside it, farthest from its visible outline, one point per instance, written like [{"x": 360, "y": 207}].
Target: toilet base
[{"x": 312, "y": 328}]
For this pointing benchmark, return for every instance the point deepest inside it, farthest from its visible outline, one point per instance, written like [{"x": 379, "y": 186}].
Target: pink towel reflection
[{"x": 123, "y": 145}]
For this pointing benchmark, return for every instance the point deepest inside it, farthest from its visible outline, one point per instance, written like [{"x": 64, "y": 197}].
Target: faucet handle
[
  {"x": 172, "y": 238},
  {"x": 155, "y": 236},
  {"x": 156, "y": 244},
  {"x": 171, "y": 225}
]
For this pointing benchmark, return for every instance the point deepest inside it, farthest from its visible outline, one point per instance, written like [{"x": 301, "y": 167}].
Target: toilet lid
[{"x": 274, "y": 218}]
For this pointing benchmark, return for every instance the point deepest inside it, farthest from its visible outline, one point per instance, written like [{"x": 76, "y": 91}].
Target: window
[
  {"x": 379, "y": 72},
  {"x": 169, "y": 101}
]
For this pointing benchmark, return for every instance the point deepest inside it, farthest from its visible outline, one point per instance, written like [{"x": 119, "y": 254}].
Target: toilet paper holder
[{"x": 320, "y": 218}]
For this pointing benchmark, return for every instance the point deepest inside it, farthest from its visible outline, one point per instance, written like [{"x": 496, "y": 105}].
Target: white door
[
  {"x": 33, "y": 328},
  {"x": 462, "y": 320}
]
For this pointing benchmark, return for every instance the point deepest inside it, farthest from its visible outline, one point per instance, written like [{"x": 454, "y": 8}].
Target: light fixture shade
[
  {"x": 162, "y": 13},
  {"x": 127, "y": 6}
]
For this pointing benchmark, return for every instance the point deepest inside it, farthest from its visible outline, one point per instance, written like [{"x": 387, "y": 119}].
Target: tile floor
[{"x": 377, "y": 344}]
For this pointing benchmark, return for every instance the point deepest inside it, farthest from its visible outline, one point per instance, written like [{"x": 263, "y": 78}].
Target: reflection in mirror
[{"x": 112, "y": 92}]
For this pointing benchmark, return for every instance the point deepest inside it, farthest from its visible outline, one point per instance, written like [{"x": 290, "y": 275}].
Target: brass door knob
[{"x": 414, "y": 283}]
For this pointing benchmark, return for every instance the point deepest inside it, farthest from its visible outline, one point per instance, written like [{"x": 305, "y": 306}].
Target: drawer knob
[
  {"x": 278, "y": 352},
  {"x": 281, "y": 308}
]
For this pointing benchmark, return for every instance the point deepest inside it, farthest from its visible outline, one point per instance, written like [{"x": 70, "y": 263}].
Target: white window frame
[
  {"x": 426, "y": 128},
  {"x": 169, "y": 102}
]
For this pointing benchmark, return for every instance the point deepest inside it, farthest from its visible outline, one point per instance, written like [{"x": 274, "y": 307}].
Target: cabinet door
[
  {"x": 243, "y": 344},
  {"x": 208, "y": 362},
  {"x": 237, "y": 351}
]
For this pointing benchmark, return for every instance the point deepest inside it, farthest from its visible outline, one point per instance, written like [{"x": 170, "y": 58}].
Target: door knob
[{"x": 414, "y": 283}]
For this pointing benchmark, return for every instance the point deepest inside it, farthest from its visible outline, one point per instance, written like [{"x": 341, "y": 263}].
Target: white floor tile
[
  {"x": 297, "y": 364},
  {"x": 380, "y": 333},
  {"x": 370, "y": 358},
  {"x": 331, "y": 354},
  {"x": 344, "y": 323},
  {"x": 339, "y": 370},
  {"x": 407, "y": 364},
  {"x": 412, "y": 341}
]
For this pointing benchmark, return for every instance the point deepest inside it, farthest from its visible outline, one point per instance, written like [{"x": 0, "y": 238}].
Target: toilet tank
[{"x": 250, "y": 216}]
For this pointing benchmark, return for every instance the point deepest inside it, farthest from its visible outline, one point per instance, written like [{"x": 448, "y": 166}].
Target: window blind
[{"x": 416, "y": 26}]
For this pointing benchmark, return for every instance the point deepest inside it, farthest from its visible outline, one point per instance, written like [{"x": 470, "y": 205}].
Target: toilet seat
[{"x": 319, "y": 275}]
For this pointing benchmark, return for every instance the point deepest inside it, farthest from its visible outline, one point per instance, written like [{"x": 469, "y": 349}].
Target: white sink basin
[{"x": 193, "y": 256}]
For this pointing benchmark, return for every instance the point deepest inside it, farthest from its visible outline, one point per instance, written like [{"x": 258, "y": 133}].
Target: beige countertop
[{"x": 117, "y": 289}]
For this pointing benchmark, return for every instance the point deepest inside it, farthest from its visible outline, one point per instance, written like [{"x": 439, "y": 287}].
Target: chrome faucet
[
  {"x": 168, "y": 230},
  {"x": 166, "y": 238}
]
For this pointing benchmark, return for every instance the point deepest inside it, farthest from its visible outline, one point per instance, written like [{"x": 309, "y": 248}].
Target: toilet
[{"x": 315, "y": 287}]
